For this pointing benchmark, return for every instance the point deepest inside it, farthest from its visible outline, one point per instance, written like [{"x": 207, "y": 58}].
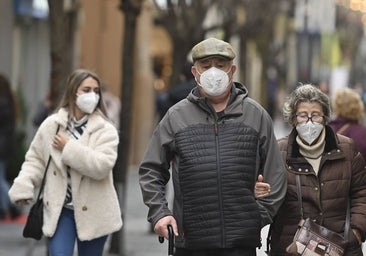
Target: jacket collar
[
  {"x": 94, "y": 121},
  {"x": 331, "y": 143},
  {"x": 233, "y": 107}
]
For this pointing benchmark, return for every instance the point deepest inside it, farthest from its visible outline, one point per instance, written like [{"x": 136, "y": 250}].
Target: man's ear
[
  {"x": 194, "y": 70},
  {"x": 233, "y": 69}
]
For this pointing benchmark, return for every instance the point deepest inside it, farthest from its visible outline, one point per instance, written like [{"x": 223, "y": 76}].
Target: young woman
[{"x": 80, "y": 202}]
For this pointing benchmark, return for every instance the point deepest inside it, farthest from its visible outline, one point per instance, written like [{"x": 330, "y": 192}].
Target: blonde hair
[{"x": 347, "y": 103}]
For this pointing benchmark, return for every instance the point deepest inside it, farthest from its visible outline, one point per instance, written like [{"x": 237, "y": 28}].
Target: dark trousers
[{"x": 217, "y": 252}]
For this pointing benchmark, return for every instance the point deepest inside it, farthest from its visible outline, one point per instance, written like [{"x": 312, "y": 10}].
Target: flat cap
[{"x": 212, "y": 47}]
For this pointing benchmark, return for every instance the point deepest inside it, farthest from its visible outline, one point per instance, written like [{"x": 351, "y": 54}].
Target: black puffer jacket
[
  {"x": 341, "y": 177},
  {"x": 216, "y": 160}
]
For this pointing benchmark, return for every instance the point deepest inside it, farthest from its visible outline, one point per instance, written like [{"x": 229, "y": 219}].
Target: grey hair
[{"x": 305, "y": 93}]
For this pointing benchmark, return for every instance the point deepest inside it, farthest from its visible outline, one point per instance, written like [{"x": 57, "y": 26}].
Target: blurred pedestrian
[
  {"x": 217, "y": 140},
  {"x": 43, "y": 110},
  {"x": 7, "y": 145},
  {"x": 328, "y": 170},
  {"x": 349, "y": 111},
  {"x": 80, "y": 201},
  {"x": 112, "y": 104},
  {"x": 166, "y": 99},
  {"x": 182, "y": 89}
]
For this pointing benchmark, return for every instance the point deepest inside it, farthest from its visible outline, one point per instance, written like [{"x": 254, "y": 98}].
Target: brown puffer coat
[{"x": 342, "y": 175}]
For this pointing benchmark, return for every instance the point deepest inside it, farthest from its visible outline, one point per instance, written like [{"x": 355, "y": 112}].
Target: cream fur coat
[{"x": 91, "y": 159}]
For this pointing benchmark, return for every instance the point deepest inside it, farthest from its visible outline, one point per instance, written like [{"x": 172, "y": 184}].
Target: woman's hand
[
  {"x": 261, "y": 188},
  {"x": 23, "y": 202},
  {"x": 59, "y": 141}
]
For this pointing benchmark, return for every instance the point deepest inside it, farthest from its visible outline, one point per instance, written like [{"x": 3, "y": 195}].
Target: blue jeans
[
  {"x": 4, "y": 188},
  {"x": 63, "y": 241}
]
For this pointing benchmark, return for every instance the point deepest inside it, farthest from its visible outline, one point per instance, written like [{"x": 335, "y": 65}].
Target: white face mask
[
  {"x": 87, "y": 102},
  {"x": 214, "y": 81},
  {"x": 309, "y": 131}
]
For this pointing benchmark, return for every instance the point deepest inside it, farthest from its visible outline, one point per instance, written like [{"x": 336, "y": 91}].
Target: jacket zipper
[{"x": 216, "y": 131}]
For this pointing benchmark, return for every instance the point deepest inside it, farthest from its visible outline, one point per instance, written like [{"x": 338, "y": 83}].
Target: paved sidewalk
[{"x": 138, "y": 241}]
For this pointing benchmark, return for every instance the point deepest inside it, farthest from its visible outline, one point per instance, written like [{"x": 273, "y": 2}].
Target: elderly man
[{"x": 217, "y": 141}]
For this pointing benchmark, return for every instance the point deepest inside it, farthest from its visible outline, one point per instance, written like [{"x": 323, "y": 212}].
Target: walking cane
[{"x": 171, "y": 241}]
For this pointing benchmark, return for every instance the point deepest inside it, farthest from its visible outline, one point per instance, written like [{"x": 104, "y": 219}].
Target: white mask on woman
[
  {"x": 309, "y": 131},
  {"x": 214, "y": 81},
  {"x": 87, "y": 102}
]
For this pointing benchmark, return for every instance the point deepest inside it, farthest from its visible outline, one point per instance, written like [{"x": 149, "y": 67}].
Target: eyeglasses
[{"x": 304, "y": 118}]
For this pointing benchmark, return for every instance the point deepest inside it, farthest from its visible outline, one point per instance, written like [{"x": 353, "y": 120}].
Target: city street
[{"x": 138, "y": 240}]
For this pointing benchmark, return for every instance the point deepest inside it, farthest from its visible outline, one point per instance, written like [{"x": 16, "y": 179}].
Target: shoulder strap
[
  {"x": 343, "y": 128},
  {"x": 45, "y": 173},
  {"x": 299, "y": 195},
  {"x": 299, "y": 198}
]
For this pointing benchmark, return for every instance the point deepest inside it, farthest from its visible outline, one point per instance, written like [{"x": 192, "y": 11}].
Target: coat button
[
  {"x": 316, "y": 188},
  {"x": 84, "y": 208},
  {"x": 300, "y": 170},
  {"x": 306, "y": 170}
]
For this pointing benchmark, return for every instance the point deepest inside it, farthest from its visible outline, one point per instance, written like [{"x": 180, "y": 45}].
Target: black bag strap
[
  {"x": 45, "y": 172},
  {"x": 299, "y": 196},
  {"x": 299, "y": 199}
]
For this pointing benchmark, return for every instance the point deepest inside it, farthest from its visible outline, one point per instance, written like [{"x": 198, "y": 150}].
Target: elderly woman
[
  {"x": 349, "y": 110},
  {"x": 331, "y": 170}
]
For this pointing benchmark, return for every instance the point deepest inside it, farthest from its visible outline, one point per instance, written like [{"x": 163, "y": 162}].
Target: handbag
[
  {"x": 34, "y": 224},
  {"x": 312, "y": 239}
]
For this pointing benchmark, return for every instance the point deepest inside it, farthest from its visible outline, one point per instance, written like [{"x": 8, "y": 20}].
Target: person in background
[
  {"x": 112, "y": 104},
  {"x": 43, "y": 110},
  {"x": 349, "y": 111},
  {"x": 331, "y": 171},
  {"x": 181, "y": 90},
  {"x": 218, "y": 141},
  {"x": 178, "y": 92},
  {"x": 80, "y": 201},
  {"x": 7, "y": 147}
]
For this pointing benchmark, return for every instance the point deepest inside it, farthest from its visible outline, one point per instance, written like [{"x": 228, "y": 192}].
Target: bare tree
[
  {"x": 131, "y": 10},
  {"x": 62, "y": 41},
  {"x": 184, "y": 21}
]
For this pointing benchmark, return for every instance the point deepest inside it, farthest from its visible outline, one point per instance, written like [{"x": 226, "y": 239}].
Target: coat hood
[{"x": 237, "y": 89}]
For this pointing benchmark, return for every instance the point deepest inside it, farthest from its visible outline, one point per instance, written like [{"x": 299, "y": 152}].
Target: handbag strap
[
  {"x": 45, "y": 172},
  {"x": 299, "y": 196},
  {"x": 299, "y": 199}
]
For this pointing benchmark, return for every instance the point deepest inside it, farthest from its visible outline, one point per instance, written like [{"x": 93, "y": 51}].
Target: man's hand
[
  {"x": 161, "y": 227},
  {"x": 261, "y": 188}
]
